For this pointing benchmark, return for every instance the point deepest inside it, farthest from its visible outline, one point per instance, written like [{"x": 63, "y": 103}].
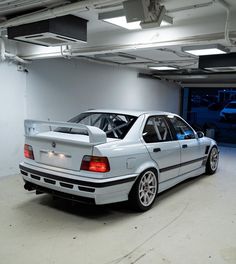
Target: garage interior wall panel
[
  {"x": 59, "y": 89},
  {"x": 12, "y": 114}
]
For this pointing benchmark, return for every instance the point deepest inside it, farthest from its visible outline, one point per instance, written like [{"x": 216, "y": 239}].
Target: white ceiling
[
  {"x": 195, "y": 22},
  {"x": 180, "y": 10},
  {"x": 8, "y": 7}
]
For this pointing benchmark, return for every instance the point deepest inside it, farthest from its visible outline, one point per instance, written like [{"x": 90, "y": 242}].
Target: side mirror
[{"x": 200, "y": 134}]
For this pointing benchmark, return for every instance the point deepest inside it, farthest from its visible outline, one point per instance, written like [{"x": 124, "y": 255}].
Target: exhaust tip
[{"x": 28, "y": 187}]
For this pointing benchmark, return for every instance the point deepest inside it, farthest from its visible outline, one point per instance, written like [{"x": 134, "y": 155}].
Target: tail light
[
  {"x": 95, "y": 164},
  {"x": 28, "y": 152}
]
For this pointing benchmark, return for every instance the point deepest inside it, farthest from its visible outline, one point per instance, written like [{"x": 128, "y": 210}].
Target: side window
[
  {"x": 183, "y": 131},
  {"x": 156, "y": 130}
]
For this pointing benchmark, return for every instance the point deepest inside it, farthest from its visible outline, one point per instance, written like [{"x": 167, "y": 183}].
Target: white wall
[
  {"x": 59, "y": 89},
  {"x": 12, "y": 111}
]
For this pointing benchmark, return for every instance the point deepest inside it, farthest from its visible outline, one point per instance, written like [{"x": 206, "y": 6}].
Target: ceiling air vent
[
  {"x": 51, "y": 32},
  {"x": 218, "y": 63}
]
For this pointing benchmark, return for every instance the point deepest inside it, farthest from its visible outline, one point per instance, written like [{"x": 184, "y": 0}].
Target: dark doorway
[{"x": 212, "y": 110}]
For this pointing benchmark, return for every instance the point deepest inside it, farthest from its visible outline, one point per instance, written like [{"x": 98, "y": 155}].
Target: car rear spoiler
[{"x": 96, "y": 135}]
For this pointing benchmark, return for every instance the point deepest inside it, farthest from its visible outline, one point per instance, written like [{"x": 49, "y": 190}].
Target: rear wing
[{"x": 96, "y": 135}]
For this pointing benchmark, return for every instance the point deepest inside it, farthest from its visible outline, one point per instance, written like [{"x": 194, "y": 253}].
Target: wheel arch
[
  {"x": 209, "y": 170},
  {"x": 148, "y": 165},
  {"x": 145, "y": 167},
  {"x": 213, "y": 145}
]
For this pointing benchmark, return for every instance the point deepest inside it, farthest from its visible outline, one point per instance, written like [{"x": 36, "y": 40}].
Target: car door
[
  {"x": 161, "y": 146},
  {"x": 191, "y": 156}
]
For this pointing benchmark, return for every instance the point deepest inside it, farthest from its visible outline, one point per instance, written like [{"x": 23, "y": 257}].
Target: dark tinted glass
[
  {"x": 183, "y": 131},
  {"x": 156, "y": 130},
  {"x": 115, "y": 125},
  {"x": 231, "y": 105}
]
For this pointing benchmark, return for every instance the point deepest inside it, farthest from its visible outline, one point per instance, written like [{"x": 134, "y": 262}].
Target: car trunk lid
[{"x": 62, "y": 149}]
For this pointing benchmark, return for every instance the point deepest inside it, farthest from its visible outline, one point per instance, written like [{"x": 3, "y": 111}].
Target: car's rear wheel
[
  {"x": 212, "y": 161},
  {"x": 144, "y": 191}
]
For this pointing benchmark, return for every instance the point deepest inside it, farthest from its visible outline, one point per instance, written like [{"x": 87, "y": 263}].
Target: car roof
[{"x": 129, "y": 112}]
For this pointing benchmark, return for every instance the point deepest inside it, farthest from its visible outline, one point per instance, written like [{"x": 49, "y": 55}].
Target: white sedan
[
  {"x": 228, "y": 113},
  {"x": 110, "y": 156}
]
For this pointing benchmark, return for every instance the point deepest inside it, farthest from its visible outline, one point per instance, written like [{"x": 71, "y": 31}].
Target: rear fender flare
[{"x": 148, "y": 165}]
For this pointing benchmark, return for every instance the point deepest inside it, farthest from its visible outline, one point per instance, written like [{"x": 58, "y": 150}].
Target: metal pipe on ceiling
[
  {"x": 2, "y": 50},
  {"x": 227, "y": 7},
  {"x": 169, "y": 11},
  {"x": 190, "y": 7},
  {"x": 7, "y": 55},
  {"x": 120, "y": 48},
  {"x": 13, "y": 5},
  {"x": 16, "y": 58},
  {"x": 109, "y": 6},
  {"x": 223, "y": 3},
  {"x": 88, "y": 51},
  {"x": 8, "y": 2},
  {"x": 209, "y": 85},
  {"x": 54, "y": 12},
  {"x": 27, "y": 3}
]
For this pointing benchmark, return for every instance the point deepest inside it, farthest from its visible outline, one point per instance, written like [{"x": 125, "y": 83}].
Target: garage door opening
[{"x": 213, "y": 111}]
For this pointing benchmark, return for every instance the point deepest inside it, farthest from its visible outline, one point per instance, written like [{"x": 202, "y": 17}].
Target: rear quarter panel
[{"x": 125, "y": 158}]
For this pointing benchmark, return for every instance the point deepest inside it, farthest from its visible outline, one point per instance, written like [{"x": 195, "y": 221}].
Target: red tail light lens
[
  {"x": 95, "y": 164},
  {"x": 28, "y": 152}
]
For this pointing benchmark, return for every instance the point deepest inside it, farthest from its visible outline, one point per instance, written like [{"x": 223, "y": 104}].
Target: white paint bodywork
[{"x": 128, "y": 158}]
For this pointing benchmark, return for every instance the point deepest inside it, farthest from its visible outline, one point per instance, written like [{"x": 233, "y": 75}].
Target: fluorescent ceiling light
[
  {"x": 165, "y": 23},
  {"x": 121, "y": 22},
  {"x": 205, "y": 52},
  {"x": 118, "y": 18},
  {"x": 162, "y": 68},
  {"x": 202, "y": 50}
]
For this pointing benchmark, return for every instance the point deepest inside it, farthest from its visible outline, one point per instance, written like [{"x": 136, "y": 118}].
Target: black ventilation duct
[
  {"x": 51, "y": 32},
  {"x": 218, "y": 63}
]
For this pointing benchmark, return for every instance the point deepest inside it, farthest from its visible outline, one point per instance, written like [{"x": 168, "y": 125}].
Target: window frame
[
  {"x": 105, "y": 114},
  {"x": 174, "y": 133},
  {"x": 167, "y": 125}
]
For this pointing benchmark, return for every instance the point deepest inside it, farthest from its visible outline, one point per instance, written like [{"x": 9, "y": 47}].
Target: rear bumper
[{"x": 71, "y": 186}]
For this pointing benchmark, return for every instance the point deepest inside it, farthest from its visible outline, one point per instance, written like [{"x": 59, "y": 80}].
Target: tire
[
  {"x": 212, "y": 161},
  {"x": 144, "y": 191}
]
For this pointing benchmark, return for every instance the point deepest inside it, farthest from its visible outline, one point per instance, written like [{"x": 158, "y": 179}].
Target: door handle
[
  {"x": 156, "y": 149},
  {"x": 184, "y": 146}
]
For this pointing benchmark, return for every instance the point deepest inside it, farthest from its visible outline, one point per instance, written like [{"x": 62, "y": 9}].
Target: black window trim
[
  {"x": 173, "y": 136},
  {"x": 173, "y": 128},
  {"x": 107, "y": 113}
]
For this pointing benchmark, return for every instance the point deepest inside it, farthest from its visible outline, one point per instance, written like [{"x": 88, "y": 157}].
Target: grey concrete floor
[{"x": 193, "y": 223}]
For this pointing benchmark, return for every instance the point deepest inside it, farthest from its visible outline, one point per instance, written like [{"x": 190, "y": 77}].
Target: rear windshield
[
  {"x": 231, "y": 105},
  {"x": 114, "y": 125}
]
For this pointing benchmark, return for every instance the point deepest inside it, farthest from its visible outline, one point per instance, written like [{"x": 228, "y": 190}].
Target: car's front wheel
[
  {"x": 144, "y": 191},
  {"x": 212, "y": 161}
]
